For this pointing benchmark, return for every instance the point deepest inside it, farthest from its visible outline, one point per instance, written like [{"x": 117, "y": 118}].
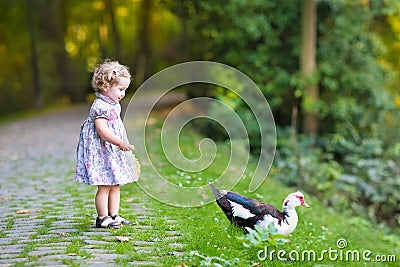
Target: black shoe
[
  {"x": 121, "y": 220},
  {"x": 107, "y": 222}
]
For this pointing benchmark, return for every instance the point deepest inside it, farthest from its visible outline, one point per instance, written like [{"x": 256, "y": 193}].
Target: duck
[{"x": 245, "y": 212}]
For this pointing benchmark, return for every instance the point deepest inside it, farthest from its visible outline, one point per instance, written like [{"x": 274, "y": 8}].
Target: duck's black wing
[{"x": 244, "y": 211}]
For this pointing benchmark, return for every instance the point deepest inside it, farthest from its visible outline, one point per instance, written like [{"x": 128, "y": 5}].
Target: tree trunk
[
  {"x": 143, "y": 55},
  {"x": 53, "y": 24},
  {"x": 103, "y": 38},
  {"x": 183, "y": 44},
  {"x": 115, "y": 33},
  {"x": 34, "y": 61},
  {"x": 307, "y": 68}
]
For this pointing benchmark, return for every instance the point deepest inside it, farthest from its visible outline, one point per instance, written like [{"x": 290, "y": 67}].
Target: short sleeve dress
[{"x": 99, "y": 162}]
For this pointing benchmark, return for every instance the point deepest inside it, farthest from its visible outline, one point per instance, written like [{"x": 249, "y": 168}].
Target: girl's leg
[
  {"x": 102, "y": 200},
  {"x": 113, "y": 205},
  {"x": 114, "y": 200}
]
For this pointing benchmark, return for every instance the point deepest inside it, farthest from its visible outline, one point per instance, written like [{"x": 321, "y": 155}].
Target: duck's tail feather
[
  {"x": 215, "y": 191},
  {"x": 222, "y": 202}
]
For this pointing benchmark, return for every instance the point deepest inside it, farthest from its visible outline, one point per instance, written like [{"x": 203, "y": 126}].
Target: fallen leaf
[
  {"x": 122, "y": 238},
  {"x": 129, "y": 200},
  {"x": 22, "y": 211},
  {"x": 182, "y": 265},
  {"x": 72, "y": 254}
]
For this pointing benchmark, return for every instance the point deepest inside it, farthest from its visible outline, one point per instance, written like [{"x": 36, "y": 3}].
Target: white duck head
[{"x": 294, "y": 200}]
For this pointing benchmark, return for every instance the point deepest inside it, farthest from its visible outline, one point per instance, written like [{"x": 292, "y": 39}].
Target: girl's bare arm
[{"x": 107, "y": 135}]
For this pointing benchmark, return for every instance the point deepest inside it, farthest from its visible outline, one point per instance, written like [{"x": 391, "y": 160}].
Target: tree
[
  {"x": 34, "y": 60},
  {"x": 53, "y": 23},
  {"x": 308, "y": 67},
  {"x": 115, "y": 32},
  {"x": 144, "y": 53}
]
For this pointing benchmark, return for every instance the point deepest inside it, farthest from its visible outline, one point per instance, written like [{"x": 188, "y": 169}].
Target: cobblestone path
[{"x": 46, "y": 216}]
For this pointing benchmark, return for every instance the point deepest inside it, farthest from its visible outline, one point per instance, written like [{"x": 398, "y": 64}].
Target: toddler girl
[{"x": 101, "y": 159}]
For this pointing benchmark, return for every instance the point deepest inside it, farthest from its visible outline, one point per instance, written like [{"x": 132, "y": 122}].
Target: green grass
[
  {"x": 28, "y": 248},
  {"x": 207, "y": 231},
  {"x": 10, "y": 223}
]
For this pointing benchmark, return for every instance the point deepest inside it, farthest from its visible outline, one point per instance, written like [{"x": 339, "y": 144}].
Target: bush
[
  {"x": 365, "y": 180},
  {"x": 378, "y": 182}
]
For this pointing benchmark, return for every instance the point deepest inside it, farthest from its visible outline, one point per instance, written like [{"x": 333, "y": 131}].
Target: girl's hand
[{"x": 126, "y": 147}]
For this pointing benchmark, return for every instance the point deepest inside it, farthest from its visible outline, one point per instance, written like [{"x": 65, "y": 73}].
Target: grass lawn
[
  {"x": 207, "y": 231},
  {"x": 206, "y": 237}
]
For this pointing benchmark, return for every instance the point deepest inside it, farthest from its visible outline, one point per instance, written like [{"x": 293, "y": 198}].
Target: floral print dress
[{"x": 100, "y": 162}]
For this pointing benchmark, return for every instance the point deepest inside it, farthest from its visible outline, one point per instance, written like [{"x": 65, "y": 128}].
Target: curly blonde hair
[{"x": 107, "y": 74}]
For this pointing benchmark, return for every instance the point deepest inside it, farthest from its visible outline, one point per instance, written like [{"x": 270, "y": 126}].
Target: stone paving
[{"x": 38, "y": 222}]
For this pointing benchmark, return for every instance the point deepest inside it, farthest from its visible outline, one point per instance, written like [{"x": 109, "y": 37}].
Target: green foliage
[
  {"x": 261, "y": 237},
  {"x": 256, "y": 37},
  {"x": 378, "y": 184},
  {"x": 70, "y": 41},
  {"x": 13, "y": 78},
  {"x": 365, "y": 181},
  {"x": 314, "y": 169},
  {"x": 211, "y": 260},
  {"x": 352, "y": 80},
  {"x": 263, "y": 43}
]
